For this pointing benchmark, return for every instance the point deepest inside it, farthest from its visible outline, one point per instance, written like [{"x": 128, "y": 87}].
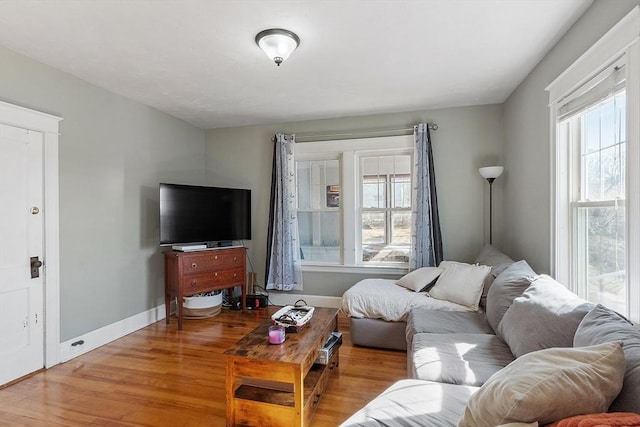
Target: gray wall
[
  {"x": 113, "y": 154},
  {"x": 467, "y": 138},
  {"x": 526, "y": 134}
]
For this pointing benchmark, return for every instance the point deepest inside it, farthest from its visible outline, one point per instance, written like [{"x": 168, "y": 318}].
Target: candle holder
[{"x": 276, "y": 334}]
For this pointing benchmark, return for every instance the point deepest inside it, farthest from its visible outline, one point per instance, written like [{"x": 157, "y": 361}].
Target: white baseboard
[
  {"x": 281, "y": 298},
  {"x": 99, "y": 337}
]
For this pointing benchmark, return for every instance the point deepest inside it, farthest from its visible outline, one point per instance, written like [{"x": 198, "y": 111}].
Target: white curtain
[
  {"x": 284, "y": 272},
  {"x": 426, "y": 238}
]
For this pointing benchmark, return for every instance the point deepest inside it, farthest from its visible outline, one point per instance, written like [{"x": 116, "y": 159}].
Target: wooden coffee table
[{"x": 279, "y": 385}]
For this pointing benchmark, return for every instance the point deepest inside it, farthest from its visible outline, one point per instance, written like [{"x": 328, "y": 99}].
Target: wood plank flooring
[{"x": 159, "y": 376}]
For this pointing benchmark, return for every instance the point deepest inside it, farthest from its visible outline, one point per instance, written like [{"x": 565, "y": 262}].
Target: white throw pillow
[
  {"x": 549, "y": 385},
  {"x": 460, "y": 283},
  {"x": 418, "y": 279}
]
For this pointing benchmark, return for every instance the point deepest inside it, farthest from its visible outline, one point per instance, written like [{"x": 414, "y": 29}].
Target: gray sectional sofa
[{"x": 536, "y": 354}]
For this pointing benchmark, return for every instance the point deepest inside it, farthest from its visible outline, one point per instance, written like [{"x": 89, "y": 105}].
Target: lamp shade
[
  {"x": 277, "y": 43},
  {"x": 489, "y": 172}
]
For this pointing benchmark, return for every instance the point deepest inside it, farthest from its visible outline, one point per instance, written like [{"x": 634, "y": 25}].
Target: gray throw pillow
[
  {"x": 498, "y": 262},
  {"x": 546, "y": 315},
  {"x": 509, "y": 285},
  {"x": 491, "y": 256},
  {"x": 602, "y": 325}
]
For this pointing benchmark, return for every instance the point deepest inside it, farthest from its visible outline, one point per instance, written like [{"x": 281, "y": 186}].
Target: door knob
[{"x": 35, "y": 266}]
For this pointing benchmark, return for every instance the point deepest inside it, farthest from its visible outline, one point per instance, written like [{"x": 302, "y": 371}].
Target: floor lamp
[{"x": 490, "y": 173}]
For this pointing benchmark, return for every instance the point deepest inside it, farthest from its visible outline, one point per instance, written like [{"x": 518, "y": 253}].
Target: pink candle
[{"x": 276, "y": 334}]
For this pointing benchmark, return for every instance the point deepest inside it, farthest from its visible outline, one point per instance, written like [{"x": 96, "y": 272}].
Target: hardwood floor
[{"x": 158, "y": 376}]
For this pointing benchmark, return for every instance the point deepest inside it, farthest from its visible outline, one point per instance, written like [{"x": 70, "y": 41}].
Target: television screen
[{"x": 195, "y": 214}]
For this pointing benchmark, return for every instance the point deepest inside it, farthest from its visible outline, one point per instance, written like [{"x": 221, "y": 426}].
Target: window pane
[
  {"x": 401, "y": 191},
  {"x": 374, "y": 194},
  {"x": 320, "y": 236},
  {"x": 591, "y": 136},
  {"x": 592, "y": 176},
  {"x": 373, "y": 228},
  {"x": 332, "y": 168},
  {"x": 600, "y": 239},
  {"x": 622, "y": 158},
  {"x": 374, "y": 246},
  {"x": 313, "y": 181},
  {"x": 607, "y": 124},
  {"x": 303, "y": 182},
  {"x": 611, "y": 173},
  {"x": 401, "y": 229},
  {"x": 621, "y": 118}
]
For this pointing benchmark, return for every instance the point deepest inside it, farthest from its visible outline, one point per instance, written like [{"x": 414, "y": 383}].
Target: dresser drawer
[
  {"x": 202, "y": 263},
  {"x": 207, "y": 282}
]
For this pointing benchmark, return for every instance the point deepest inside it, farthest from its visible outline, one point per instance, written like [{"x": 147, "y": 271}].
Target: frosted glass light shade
[
  {"x": 277, "y": 43},
  {"x": 491, "y": 171}
]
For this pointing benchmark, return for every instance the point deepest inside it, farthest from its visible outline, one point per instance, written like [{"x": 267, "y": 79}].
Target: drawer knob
[
  {"x": 194, "y": 284},
  {"x": 194, "y": 265},
  {"x": 215, "y": 257},
  {"x": 235, "y": 259},
  {"x": 235, "y": 275},
  {"x": 215, "y": 274}
]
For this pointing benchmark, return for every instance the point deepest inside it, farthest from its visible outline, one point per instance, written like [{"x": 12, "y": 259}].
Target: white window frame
[
  {"x": 349, "y": 152},
  {"x": 622, "y": 41}
]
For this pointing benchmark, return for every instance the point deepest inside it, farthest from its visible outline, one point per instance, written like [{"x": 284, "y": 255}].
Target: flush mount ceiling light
[{"x": 277, "y": 43}]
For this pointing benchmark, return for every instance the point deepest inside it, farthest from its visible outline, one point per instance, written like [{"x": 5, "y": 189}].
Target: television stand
[{"x": 188, "y": 273}]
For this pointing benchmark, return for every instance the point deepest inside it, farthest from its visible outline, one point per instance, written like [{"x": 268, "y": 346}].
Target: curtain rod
[{"x": 360, "y": 133}]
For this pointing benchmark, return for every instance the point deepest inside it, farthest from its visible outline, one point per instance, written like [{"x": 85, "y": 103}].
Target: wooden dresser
[{"x": 188, "y": 273}]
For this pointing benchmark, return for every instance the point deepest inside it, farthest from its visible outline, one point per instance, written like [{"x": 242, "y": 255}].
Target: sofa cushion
[
  {"x": 602, "y": 325},
  {"x": 377, "y": 333},
  {"x": 509, "y": 285},
  {"x": 546, "y": 315},
  {"x": 414, "y": 403},
  {"x": 421, "y": 279},
  {"x": 460, "y": 283},
  {"x": 549, "y": 385},
  {"x": 466, "y": 359},
  {"x": 445, "y": 322},
  {"x": 498, "y": 262}
]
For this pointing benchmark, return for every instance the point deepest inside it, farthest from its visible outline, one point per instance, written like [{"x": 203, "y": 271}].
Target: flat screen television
[{"x": 191, "y": 214}]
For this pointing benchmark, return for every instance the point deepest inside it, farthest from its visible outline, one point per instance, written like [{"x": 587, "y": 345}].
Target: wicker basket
[{"x": 201, "y": 306}]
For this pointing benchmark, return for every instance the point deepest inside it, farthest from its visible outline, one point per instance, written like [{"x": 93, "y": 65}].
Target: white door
[{"x": 21, "y": 237}]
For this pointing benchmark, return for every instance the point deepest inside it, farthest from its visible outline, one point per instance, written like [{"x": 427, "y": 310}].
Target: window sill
[{"x": 356, "y": 269}]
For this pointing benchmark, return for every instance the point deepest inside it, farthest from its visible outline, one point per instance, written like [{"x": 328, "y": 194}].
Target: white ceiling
[{"x": 197, "y": 59}]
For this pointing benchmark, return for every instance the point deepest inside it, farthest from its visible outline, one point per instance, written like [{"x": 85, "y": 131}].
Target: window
[
  {"x": 354, "y": 203},
  {"x": 596, "y": 173},
  {"x": 593, "y": 132},
  {"x": 385, "y": 209},
  {"x": 319, "y": 219}
]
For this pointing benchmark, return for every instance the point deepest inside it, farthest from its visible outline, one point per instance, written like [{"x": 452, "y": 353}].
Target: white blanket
[{"x": 383, "y": 299}]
